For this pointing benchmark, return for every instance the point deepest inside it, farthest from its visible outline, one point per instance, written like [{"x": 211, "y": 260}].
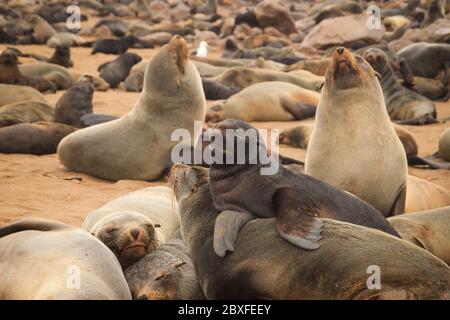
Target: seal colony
[{"x": 226, "y": 212}]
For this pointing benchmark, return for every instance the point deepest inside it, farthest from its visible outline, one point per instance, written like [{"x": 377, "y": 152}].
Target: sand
[{"x": 40, "y": 186}]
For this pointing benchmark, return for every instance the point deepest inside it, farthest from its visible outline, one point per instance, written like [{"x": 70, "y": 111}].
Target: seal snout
[{"x": 343, "y": 60}]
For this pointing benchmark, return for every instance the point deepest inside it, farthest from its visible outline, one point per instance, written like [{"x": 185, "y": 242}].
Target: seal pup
[
  {"x": 345, "y": 148},
  {"x": 114, "y": 46},
  {"x": 70, "y": 250},
  {"x": 298, "y": 202},
  {"x": 13, "y": 93},
  {"x": 165, "y": 274},
  {"x": 403, "y": 105},
  {"x": 11, "y": 74},
  {"x": 426, "y": 229},
  {"x": 61, "y": 56},
  {"x": 172, "y": 98},
  {"x": 264, "y": 266},
  {"x": 42, "y": 30},
  {"x": 59, "y": 75},
  {"x": 215, "y": 91},
  {"x": 26, "y": 112},
  {"x": 267, "y": 101},
  {"x": 135, "y": 224},
  {"x": 75, "y": 102},
  {"x": 33, "y": 138},
  {"x": 114, "y": 72}
]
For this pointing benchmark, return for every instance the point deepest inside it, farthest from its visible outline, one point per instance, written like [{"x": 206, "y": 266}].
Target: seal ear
[
  {"x": 157, "y": 225},
  {"x": 297, "y": 220}
]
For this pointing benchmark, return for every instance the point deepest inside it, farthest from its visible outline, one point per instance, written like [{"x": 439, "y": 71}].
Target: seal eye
[{"x": 110, "y": 231}]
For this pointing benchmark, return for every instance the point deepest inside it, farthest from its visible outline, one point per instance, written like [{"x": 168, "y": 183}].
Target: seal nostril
[
  {"x": 340, "y": 50},
  {"x": 135, "y": 233}
]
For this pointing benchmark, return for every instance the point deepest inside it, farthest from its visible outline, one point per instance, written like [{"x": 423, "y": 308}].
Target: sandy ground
[{"x": 40, "y": 186}]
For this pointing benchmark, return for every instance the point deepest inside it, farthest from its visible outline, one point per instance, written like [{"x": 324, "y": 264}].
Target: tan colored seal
[
  {"x": 49, "y": 260},
  {"x": 354, "y": 145},
  {"x": 26, "y": 112},
  {"x": 425, "y": 195},
  {"x": 172, "y": 98},
  {"x": 12, "y": 93}
]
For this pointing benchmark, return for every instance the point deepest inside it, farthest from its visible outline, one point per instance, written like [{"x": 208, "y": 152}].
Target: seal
[
  {"x": 114, "y": 72},
  {"x": 346, "y": 152},
  {"x": 298, "y": 202},
  {"x": 42, "y": 30},
  {"x": 61, "y": 56},
  {"x": 170, "y": 84},
  {"x": 75, "y": 102},
  {"x": 242, "y": 77},
  {"x": 10, "y": 74},
  {"x": 215, "y": 91},
  {"x": 426, "y": 229},
  {"x": 444, "y": 145},
  {"x": 165, "y": 274},
  {"x": 267, "y": 101},
  {"x": 26, "y": 112},
  {"x": 264, "y": 266},
  {"x": 403, "y": 105},
  {"x": 425, "y": 195},
  {"x": 33, "y": 138},
  {"x": 436, "y": 11},
  {"x": 135, "y": 224},
  {"x": 38, "y": 240},
  {"x": 13, "y": 93},
  {"x": 114, "y": 46},
  {"x": 59, "y": 75}
]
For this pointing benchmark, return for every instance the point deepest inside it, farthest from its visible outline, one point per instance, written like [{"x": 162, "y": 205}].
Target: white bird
[{"x": 202, "y": 50}]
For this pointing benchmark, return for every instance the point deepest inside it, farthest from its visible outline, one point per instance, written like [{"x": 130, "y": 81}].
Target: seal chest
[{"x": 354, "y": 145}]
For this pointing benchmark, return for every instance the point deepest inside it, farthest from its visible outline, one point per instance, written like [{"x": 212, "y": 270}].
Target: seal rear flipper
[
  {"x": 428, "y": 161},
  {"x": 398, "y": 207},
  {"x": 31, "y": 224},
  {"x": 295, "y": 222},
  {"x": 91, "y": 119},
  {"x": 226, "y": 230},
  {"x": 300, "y": 110}
]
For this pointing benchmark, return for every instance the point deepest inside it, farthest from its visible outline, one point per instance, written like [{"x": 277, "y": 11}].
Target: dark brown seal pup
[
  {"x": 116, "y": 71},
  {"x": 114, "y": 46},
  {"x": 75, "y": 102},
  {"x": 403, "y": 105},
  {"x": 298, "y": 202},
  {"x": 61, "y": 56},
  {"x": 10, "y": 74},
  {"x": 165, "y": 274},
  {"x": 216, "y": 91},
  {"x": 33, "y": 138},
  {"x": 264, "y": 266}
]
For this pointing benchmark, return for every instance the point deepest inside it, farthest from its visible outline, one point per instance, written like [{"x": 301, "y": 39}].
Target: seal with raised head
[
  {"x": 242, "y": 193},
  {"x": 33, "y": 138},
  {"x": 75, "y": 102},
  {"x": 403, "y": 105},
  {"x": 353, "y": 145},
  {"x": 267, "y": 101},
  {"x": 61, "y": 56},
  {"x": 114, "y": 72},
  {"x": 264, "y": 266},
  {"x": 172, "y": 98},
  {"x": 27, "y": 246},
  {"x": 165, "y": 274},
  {"x": 135, "y": 224},
  {"x": 42, "y": 30},
  {"x": 11, "y": 74}
]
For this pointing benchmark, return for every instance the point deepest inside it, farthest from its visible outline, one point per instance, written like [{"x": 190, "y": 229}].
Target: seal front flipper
[
  {"x": 299, "y": 110},
  {"x": 226, "y": 230},
  {"x": 296, "y": 221},
  {"x": 398, "y": 207}
]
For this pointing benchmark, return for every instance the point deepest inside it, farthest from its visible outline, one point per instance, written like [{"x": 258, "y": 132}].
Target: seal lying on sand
[
  {"x": 114, "y": 72},
  {"x": 172, "y": 98},
  {"x": 165, "y": 274},
  {"x": 13, "y": 93},
  {"x": 264, "y": 266},
  {"x": 135, "y": 224},
  {"x": 26, "y": 112},
  {"x": 33, "y": 138},
  {"x": 298, "y": 202},
  {"x": 27, "y": 246},
  {"x": 11, "y": 74},
  {"x": 403, "y": 105},
  {"x": 52, "y": 72},
  {"x": 344, "y": 149},
  {"x": 267, "y": 101}
]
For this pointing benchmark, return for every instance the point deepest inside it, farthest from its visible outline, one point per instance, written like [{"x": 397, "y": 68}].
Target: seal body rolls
[
  {"x": 135, "y": 224},
  {"x": 264, "y": 266},
  {"x": 172, "y": 98},
  {"x": 29, "y": 245},
  {"x": 354, "y": 145}
]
